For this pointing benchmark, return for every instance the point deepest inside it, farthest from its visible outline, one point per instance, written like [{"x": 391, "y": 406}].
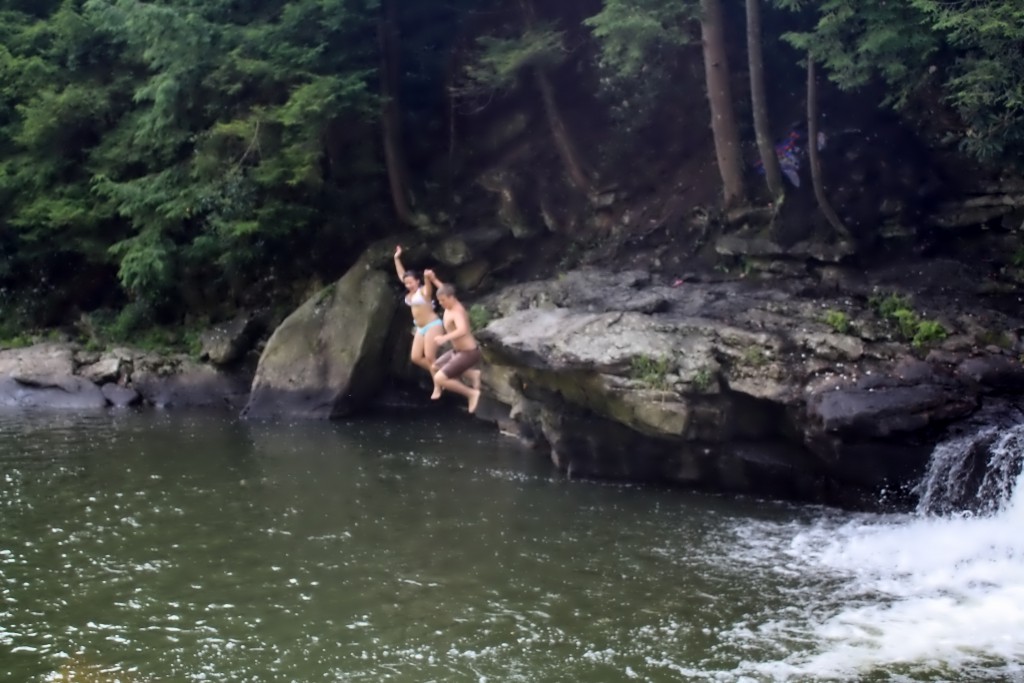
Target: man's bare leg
[
  {"x": 473, "y": 375},
  {"x": 472, "y": 395}
]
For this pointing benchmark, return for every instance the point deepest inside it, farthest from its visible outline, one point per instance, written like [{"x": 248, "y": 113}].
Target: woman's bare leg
[
  {"x": 416, "y": 354},
  {"x": 430, "y": 347}
]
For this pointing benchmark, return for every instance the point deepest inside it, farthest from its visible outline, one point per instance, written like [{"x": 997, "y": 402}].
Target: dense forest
[{"x": 166, "y": 163}]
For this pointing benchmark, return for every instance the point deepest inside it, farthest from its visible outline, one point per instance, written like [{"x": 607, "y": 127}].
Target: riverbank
[
  {"x": 833, "y": 386},
  {"x": 65, "y": 376}
]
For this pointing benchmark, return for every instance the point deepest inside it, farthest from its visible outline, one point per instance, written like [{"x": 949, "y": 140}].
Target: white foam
[{"x": 909, "y": 593}]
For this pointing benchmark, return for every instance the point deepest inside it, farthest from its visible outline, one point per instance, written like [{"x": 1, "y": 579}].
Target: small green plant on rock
[
  {"x": 479, "y": 316},
  {"x": 755, "y": 357},
  {"x": 887, "y": 305},
  {"x": 837, "y": 320},
  {"x": 906, "y": 322},
  {"x": 928, "y": 332},
  {"x": 702, "y": 379},
  {"x": 653, "y": 372},
  {"x": 909, "y": 324}
]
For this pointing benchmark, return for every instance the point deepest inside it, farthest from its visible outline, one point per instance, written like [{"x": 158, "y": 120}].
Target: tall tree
[
  {"x": 531, "y": 52},
  {"x": 567, "y": 151},
  {"x": 391, "y": 113},
  {"x": 814, "y": 155},
  {"x": 723, "y": 116},
  {"x": 759, "y": 101}
]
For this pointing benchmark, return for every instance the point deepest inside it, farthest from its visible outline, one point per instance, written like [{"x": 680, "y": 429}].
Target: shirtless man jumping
[{"x": 465, "y": 351}]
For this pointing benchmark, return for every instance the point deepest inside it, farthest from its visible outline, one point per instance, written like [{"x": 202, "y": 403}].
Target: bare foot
[
  {"x": 474, "y": 399},
  {"x": 437, "y": 393}
]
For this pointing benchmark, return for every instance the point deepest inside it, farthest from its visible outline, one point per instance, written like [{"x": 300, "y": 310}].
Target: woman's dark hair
[{"x": 413, "y": 274}]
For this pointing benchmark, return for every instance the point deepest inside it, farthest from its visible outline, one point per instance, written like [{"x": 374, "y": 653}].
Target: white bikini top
[{"x": 417, "y": 299}]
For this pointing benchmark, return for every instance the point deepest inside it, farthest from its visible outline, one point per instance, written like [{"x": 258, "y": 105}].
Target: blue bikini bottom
[{"x": 423, "y": 330}]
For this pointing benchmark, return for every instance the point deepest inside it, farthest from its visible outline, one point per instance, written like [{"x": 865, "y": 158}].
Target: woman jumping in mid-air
[{"x": 428, "y": 325}]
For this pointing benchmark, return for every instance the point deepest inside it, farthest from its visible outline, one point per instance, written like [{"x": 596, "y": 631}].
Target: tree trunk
[
  {"x": 759, "y": 101},
  {"x": 563, "y": 140},
  {"x": 391, "y": 114},
  {"x": 723, "y": 118},
  {"x": 812, "y": 152},
  {"x": 567, "y": 152}
]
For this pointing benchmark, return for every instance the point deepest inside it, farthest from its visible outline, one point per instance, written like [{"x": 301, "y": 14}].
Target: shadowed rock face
[
  {"x": 326, "y": 358},
  {"x": 731, "y": 386}
]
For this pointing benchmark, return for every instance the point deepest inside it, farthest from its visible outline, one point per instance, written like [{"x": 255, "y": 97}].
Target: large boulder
[
  {"x": 188, "y": 384},
  {"x": 42, "y": 376},
  {"x": 51, "y": 393},
  {"x": 41, "y": 360},
  {"x": 326, "y": 359},
  {"x": 226, "y": 342}
]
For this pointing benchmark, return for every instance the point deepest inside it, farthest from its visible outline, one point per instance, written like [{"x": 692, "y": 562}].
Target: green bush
[
  {"x": 928, "y": 332},
  {"x": 16, "y": 341},
  {"x": 909, "y": 324},
  {"x": 754, "y": 356},
  {"x": 652, "y": 372},
  {"x": 702, "y": 379},
  {"x": 906, "y": 322},
  {"x": 837, "y": 320},
  {"x": 887, "y": 305},
  {"x": 479, "y": 316}
]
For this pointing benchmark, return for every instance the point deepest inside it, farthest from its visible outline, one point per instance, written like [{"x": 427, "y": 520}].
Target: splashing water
[
  {"x": 915, "y": 597},
  {"x": 976, "y": 472}
]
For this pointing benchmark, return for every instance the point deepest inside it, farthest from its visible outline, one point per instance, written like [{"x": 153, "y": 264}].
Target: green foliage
[
  {"x": 633, "y": 34},
  {"x": 500, "y": 61},
  {"x": 985, "y": 83},
  {"x": 755, "y": 356},
  {"x": 909, "y": 324},
  {"x": 136, "y": 325},
  {"x": 185, "y": 154},
  {"x": 886, "y": 305},
  {"x": 650, "y": 371},
  {"x": 641, "y": 43},
  {"x": 179, "y": 142},
  {"x": 969, "y": 52},
  {"x": 837, "y": 320},
  {"x": 702, "y": 379},
  {"x": 928, "y": 332},
  {"x": 479, "y": 316},
  {"x": 15, "y": 341}
]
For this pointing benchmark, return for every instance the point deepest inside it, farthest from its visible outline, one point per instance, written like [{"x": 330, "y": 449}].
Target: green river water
[{"x": 180, "y": 547}]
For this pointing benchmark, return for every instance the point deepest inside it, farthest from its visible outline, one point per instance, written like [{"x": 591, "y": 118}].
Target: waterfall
[{"x": 974, "y": 473}]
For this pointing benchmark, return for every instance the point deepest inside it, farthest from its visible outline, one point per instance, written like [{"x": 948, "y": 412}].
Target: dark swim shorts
[{"x": 453, "y": 363}]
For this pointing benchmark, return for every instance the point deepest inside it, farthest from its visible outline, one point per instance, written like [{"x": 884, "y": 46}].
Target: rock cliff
[{"x": 776, "y": 388}]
